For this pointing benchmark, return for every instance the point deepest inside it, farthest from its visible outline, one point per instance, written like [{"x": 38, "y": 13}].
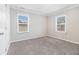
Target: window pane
[
  {"x": 61, "y": 20},
  {"x": 62, "y": 27},
  {"x": 58, "y": 27},
  {"x": 23, "y": 27},
  {"x": 23, "y": 19}
]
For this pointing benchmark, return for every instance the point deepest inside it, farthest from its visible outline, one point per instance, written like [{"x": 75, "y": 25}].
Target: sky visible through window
[{"x": 23, "y": 19}]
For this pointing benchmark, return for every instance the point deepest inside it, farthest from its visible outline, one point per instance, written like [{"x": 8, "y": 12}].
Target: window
[
  {"x": 22, "y": 23},
  {"x": 60, "y": 24}
]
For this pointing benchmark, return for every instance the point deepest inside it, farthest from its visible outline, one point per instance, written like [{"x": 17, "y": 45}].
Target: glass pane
[
  {"x": 61, "y": 20},
  {"x": 62, "y": 27},
  {"x": 58, "y": 27},
  {"x": 23, "y": 19},
  {"x": 23, "y": 27}
]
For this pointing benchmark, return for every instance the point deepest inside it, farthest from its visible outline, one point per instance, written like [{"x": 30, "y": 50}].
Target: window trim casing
[
  {"x": 18, "y": 25},
  {"x": 64, "y": 23}
]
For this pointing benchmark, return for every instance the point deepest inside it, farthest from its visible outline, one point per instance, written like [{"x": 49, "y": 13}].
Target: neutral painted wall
[
  {"x": 37, "y": 26},
  {"x": 40, "y": 26},
  {"x": 72, "y": 25}
]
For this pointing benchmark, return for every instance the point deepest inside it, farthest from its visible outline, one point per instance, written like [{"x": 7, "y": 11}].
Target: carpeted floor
[{"x": 43, "y": 46}]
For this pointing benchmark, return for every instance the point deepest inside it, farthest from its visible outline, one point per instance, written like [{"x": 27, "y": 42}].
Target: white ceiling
[{"x": 42, "y": 9}]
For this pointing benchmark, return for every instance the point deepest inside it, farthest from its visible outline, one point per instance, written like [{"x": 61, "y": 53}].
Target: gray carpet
[{"x": 43, "y": 46}]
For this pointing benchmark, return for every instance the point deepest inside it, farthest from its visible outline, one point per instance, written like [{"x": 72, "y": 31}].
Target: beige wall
[
  {"x": 37, "y": 26},
  {"x": 72, "y": 26}
]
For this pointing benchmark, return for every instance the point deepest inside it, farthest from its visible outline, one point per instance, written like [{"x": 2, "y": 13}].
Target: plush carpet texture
[{"x": 43, "y": 46}]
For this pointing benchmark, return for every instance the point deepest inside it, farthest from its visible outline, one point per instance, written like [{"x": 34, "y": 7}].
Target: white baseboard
[
  {"x": 65, "y": 40},
  {"x": 26, "y": 39},
  {"x": 44, "y": 36}
]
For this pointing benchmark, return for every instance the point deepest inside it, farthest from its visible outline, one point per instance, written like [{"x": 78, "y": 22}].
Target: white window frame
[
  {"x": 18, "y": 23},
  {"x": 57, "y": 24}
]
